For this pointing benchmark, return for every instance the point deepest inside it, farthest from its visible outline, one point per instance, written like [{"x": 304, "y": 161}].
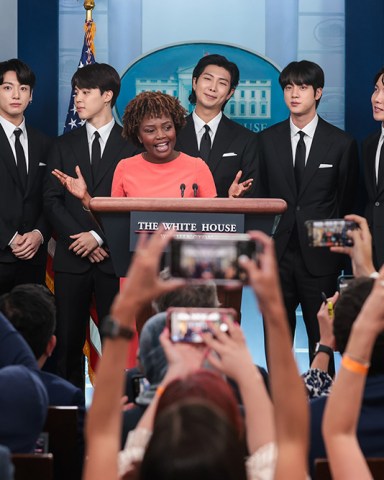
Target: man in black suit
[
  {"x": 373, "y": 160},
  {"x": 81, "y": 262},
  {"x": 313, "y": 166},
  {"x": 24, "y": 232},
  {"x": 226, "y": 146}
]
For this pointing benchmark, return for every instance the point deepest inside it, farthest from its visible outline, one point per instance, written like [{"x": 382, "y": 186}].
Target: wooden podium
[{"x": 118, "y": 217}]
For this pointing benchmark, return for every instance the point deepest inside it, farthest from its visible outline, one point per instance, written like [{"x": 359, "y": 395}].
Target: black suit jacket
[
  {"x": 22, "y": 210},
  {"x": 328, "y": 187},
  {"x": 234, "y": 148},
  {"x": 374, "y": 210},
  {"x": 64, "y": 211}
]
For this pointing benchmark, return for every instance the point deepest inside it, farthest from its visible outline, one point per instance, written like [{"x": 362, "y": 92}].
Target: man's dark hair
[
  {"x": 303, "y": 73},
  {"x": 98, "y": 75},
  {"x": 378, "y": 75},
  {"x": 31, "y": 310},
  {"x": 197, "y": 296},
  {"x": 219, "y": 61},
  {"x": 24, "y": 74},
  {"x": 347, "y": 309}
]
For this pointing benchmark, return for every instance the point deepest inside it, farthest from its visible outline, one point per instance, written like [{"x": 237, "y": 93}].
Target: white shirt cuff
[{"x": 98, "y": 239}]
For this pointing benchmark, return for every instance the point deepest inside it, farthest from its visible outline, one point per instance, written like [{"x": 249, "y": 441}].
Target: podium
[{"x": 122, "y": 220}]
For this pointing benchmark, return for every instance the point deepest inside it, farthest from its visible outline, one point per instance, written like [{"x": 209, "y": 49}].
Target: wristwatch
[
  {"x": 324, "y": 349},
  {"x": 111, "y": 329}
]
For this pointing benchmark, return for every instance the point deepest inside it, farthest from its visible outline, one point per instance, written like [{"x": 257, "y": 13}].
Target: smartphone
[
  {"x": 139, "y": 385},
  {"x": 211, "y": 257},
  {"x": 330, "y": 233},
  {"x": 343, "y": 281},
  {"x": 187, "y": 324}
]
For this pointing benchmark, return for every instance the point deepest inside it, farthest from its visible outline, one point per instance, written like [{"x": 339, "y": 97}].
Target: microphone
[
  {"x": 182, "y": 189},
  {"x": 195, "y": 188}
]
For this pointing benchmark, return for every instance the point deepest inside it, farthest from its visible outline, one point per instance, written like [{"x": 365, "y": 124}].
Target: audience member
[
  {"x": 345, "y": 444},
  {"x": 201, "y": 443},
  {"x": 183, "y": 381},
  {"x": 370, "y": 429},
  {"x": 23, "y": 397},
  {"x": 24, "y": 232},
  {"x": 151, "y": 358},
  {"x": 31, "y": 310}
]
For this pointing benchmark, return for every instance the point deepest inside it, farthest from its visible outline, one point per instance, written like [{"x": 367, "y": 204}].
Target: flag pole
[{"x": 89, "y": 5}]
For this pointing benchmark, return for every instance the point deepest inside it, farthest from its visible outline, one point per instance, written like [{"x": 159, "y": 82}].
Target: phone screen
[
  {"x": 187, "y": 325},
  {"x": 329, "y": 233},
  {"x": 211, "y": 258}
]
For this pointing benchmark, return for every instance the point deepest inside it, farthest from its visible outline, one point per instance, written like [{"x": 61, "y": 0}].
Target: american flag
[{"x": 87, "y": 58}]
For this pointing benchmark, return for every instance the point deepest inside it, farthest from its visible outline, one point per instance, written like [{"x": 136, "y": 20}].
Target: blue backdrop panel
[{"x": 38, "y": 46}]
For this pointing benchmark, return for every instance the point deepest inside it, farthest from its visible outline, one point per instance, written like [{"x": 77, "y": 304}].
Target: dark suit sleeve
[
  {"x": 42, "y": 223},
  {"x": 260, "y": 182},
  {"x": 348, "y": 179},
  {"x": 250, "y": 163},
  {"x": 56, "y": 198},
  {"x": 13, "y": 348}
]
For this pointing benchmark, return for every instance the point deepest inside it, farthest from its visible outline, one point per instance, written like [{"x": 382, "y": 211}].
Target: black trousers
[
  {"x": 300, "y": 287},
  {"x": 20, "y": 272},
  {"x": 73, "y": 299}
]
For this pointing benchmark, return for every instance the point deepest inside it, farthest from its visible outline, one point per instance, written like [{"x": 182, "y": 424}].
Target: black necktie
[
  {"x": 205, "y": 144},
  {"x": 380, "y": 171},
  {"x": 96, "y": 154},
  {"x": 20, "y": 158},
  {"x": 300, "y": 160}
]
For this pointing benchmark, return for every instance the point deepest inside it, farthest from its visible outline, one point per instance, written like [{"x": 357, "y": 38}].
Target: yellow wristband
[
  {"x": 159, "y": 391},
  {"x": 353, "y": 366}
]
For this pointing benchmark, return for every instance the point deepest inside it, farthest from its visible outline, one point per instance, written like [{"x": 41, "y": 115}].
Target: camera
[
  {"x": 211, "y": 257},
  {"x": 187, "y": 324},
  {"x": 329, "y": 233}
]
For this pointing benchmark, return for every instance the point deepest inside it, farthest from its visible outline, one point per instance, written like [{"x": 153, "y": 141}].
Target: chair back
[
  {"x": 323, "y": 471},
  {"x": 33, "y": 466},
  {"x": 62, "y": 428}
]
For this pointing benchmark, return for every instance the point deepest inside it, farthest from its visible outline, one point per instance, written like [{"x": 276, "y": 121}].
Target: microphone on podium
[
  {"x": 182, "y": 189},
  {"x": 195, "y": 188}
]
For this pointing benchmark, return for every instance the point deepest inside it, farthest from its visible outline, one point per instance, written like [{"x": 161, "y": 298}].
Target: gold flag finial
[{"x": 89, "y": 5}]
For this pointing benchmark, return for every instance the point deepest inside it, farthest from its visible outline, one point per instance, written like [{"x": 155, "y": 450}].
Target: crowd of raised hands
[{"x": 189, "y": 429}]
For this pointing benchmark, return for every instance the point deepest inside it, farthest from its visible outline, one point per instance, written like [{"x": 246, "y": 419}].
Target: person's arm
[
  {"x": 361, "y": 251},
  {"x": 327, "y": 338},
  {"x": 103, "y": 431},
  {"x": 343, "y": 406},
  {"x": 75, "y": 186},
  {"x": 288, "y": 392},
  {"x": 316, "y": 379},
  {"x": 60, "y": 207},
  {"x": 235, "y": 361}
]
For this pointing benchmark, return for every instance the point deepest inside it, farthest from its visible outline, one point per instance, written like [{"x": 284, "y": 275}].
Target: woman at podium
[{"x": 152, "y": 120}]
